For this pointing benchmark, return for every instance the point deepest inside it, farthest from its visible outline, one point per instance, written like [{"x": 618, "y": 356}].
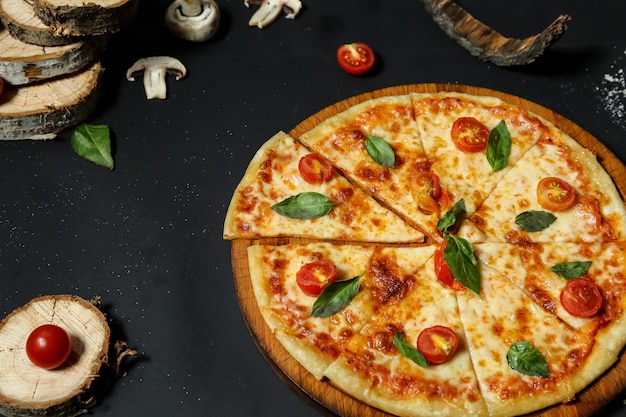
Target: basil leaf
[
  {"x": 93, "y": 143},
  {"x": 307, "y": 205},
  {"x": 459, "y": 256},
  {"x": 450, "y": 218},
  {"x": 409, "y": 351},
  {"x": 380, "y": 151},
  {"x": 524, "y": 358},
  {"x": 336, "y": 297},
  {"x": 569, "y": 270},
  {"x": 534, "y": 220},
  {"x": 499, "y": 147}
]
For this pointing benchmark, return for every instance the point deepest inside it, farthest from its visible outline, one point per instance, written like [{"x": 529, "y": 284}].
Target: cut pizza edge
[{"x": 273, "y": 199}]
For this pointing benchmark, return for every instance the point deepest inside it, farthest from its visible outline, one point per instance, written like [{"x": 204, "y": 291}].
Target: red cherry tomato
[
  {"x": 429, "y": 191},
  {"x": 438, "y": 344},
  {"x": 315, "y": 169},
  {"x": 469, "y": 134},
  {"x": 444, "y": 275},
  {"x": 581, "y": 297},
  {"x": 313, "y": 277},
  {"x": 555, "y": 194},
  {"x": 48, "y": 346},
  {"x": 355, "y": 58}
]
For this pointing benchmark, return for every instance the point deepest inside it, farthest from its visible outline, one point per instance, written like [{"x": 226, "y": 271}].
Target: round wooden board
[{"x": 333, "y": 401}]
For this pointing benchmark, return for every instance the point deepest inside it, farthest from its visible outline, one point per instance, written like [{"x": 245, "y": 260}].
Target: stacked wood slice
[
  {"x": 28, "y": 390},
  {"x": 49, "y": 61}
]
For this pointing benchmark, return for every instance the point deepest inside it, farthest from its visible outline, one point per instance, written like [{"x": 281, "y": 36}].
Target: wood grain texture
[{"x": 332, "y": 401}]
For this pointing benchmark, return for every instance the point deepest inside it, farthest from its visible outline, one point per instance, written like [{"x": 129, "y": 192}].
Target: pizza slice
[
  {"x": 376, "y": 144},
  {"x": 354, "y": 281},
  {"x": 411, "y": 358},
  {"x": 473, "y": 141},
  {"x": 289, "y": 191},
  {"x": 524, "y": 357},
  {"x": 584, "y": 284},
  {"x": 557, "y": 192}
]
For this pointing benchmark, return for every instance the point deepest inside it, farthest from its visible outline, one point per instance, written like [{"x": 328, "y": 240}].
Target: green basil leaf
[
  {"x": 409, "y": 351},
  {"x": 534, "y": 220},
  {"x": 93, "y": 143},
  {"x": 569, "y": 270},
  {"x": 336, "y": 297},
  {"x": 459, "y": 255},
  {"x": 524, "y": 358},
  {"x": 499, "y": 147},
  {"x": 307, "y": 205},
  {"x": 380, "y": 151},
  {"x": 450, "y": 218}
]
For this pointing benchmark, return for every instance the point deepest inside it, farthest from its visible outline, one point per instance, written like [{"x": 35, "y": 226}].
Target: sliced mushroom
[
  {"x": 270, "y": 10},
  {"x": 486, "y": 43},
  {"x": 193, "y": 20},
  {"x": 154, "y": 70}
]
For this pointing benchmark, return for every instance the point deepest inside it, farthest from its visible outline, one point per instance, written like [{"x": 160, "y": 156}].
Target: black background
[{"x": 147, "y": 235}]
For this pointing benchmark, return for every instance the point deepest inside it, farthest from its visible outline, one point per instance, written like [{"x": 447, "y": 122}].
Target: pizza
[{"x": 437, "y": 254}]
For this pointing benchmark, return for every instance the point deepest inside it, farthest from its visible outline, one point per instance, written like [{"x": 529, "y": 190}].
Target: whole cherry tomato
[
  {"x": 355, "y": 58},
  {"x": 49, "y": 346}
]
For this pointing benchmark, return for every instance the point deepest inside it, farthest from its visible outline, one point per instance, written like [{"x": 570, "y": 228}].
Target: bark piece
[
  {"x": 27, "y": 390},
  {"x": 22, "y": 63},
  {"x": 41, "y": 111},
  {"x": 87, "y": 18},
  {"x": 20, "y": 20},
  {"x": 486, "y": 43}
]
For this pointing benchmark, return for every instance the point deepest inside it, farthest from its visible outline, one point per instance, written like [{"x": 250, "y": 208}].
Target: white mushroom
[
  {"x": 193, "y": 20},
  {"x": 154, "y": 70},
  {"x": 270, "y": 10}
]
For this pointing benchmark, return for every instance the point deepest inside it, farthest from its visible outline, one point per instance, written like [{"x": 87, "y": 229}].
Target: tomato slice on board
[
  {"x": 314, "y": 169},
  {"x": 48, "y": 346},
  {"x": 469, "y": 134},
  {"x": 355, "y": 58},
  {"x": 555, "y": 194},
  {"x": 438, "y": 344},
  {"x": 442, "y": 270},
  {"x": 581, "y": 297},
  {"x": 313, "y": 277}
]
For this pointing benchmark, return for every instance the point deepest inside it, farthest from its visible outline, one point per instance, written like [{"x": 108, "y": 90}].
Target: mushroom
[
  {"x": 486, "y": 43},
  {"x": 193, "y": 20},
  {"x": 270, "y": 10},
  {"x": 155, "y": 68}
]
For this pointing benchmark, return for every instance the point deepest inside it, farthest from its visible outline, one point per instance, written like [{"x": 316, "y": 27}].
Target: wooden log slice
[
  {"x": 22, "y": 63},
  {"x": 26, "y": 389},
  {"x": 41, "y": 111},
  {"x": 19, "y": 18},
  {"x": 79, "y": 17}
]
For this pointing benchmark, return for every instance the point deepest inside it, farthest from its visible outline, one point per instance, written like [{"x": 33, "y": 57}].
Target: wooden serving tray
[{"x": 332, "y": 401}]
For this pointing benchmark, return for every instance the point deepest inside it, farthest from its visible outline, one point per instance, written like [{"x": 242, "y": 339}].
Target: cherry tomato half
[
  {"x": 469, "y": 134},
  {"x": 438, "y": 344},
  {"x": 355, "y": 58},
  {"x": 48, "y": 346},
  {"x": 315, "y": 169},
  {"x": 444, "y": 275},
  {"x": 555, "y": 194},
  {"x": 581, "y": 297},
  {"x": 429, "y": 190},
  {"x": 313, "y": 277}
]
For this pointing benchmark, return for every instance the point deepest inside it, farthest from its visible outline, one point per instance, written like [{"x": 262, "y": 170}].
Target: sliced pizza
[
  {"x": 473, "y": 141},
  {"x": 525, "y": 358},
  {"x": 377, "y": 145},
  {"x": 315, "y": 297},
  {"x": 289, "y": 191},
  {"x": 557, "y": 192},
  {"x": 411, "y": 358}
]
